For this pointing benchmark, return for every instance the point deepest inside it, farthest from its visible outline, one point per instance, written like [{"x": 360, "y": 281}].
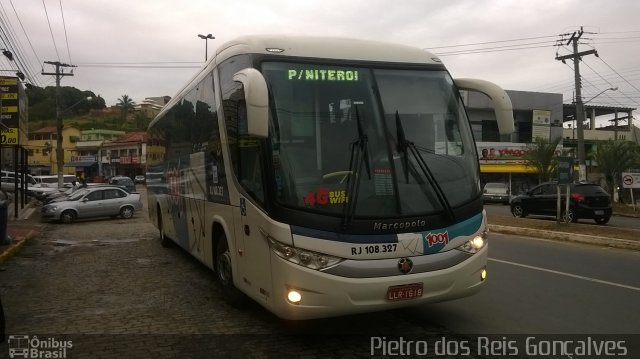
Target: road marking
[{"x": 567, "y": 274}]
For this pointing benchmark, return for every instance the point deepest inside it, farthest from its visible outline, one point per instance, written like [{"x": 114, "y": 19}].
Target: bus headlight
[
  {"x": 474, "y": 244},
  {"x": 303, "y": 257}
]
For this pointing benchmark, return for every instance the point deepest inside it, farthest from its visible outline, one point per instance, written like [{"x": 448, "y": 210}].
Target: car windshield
[
  {"x": 590, "y": 189},
  {"x": 77, "y": 194},
  {"x": 321, "y": 113},
  {"x": 495, "y": 186}
]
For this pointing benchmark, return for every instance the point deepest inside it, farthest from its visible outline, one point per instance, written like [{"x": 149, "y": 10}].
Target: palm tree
[
  {"x": 613, "y": 158},
  {"x": 126, "y": 104},
  {"x": 542, "y": 157}
]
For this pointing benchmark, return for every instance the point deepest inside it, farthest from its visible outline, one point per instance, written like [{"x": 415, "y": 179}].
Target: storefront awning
[
  {"x": 510, "y": 168},
  {"x": 80, "y": 164}
]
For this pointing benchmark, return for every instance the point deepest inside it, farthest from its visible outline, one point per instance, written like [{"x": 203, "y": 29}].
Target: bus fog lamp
[
  {"x": 483, "y": 274},
  {"x": 294, "y": 297}
]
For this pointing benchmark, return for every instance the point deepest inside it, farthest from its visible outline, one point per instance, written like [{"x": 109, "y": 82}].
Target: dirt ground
[{"x": 588, "y": 228}]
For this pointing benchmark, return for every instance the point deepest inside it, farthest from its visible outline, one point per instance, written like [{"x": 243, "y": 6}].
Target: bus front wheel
[
  {"x": 224, "y": 272},
  {"x": 164, "y": 240}
]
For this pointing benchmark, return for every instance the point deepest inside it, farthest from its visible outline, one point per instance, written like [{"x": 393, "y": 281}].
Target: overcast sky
[{"x": 151, "y": 48}]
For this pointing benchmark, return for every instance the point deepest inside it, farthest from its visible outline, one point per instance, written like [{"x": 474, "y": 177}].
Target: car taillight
[{"x": 577, "y": 197}]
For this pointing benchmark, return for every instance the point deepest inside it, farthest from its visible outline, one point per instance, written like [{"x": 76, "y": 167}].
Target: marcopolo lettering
[
  {"x": 323, "y": 75},
  {"x": 381, "y": 226}
]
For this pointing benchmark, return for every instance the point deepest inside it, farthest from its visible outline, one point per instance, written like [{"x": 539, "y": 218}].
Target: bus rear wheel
[{"x": 224, "y": 273}]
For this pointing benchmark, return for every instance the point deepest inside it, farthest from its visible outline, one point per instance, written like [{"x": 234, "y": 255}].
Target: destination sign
[{"x": 322, "y": 75}]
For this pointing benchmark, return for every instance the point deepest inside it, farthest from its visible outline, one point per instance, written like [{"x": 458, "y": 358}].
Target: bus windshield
[{"x": 400, "y": 135}]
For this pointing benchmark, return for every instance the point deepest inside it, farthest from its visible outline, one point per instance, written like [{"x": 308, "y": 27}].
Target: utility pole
[
  {"x": 576, "y": 56},
  {"x": 59, "y": 150}
]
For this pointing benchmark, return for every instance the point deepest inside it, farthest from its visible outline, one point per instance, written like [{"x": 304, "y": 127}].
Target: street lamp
[
  {"x": 601, "y": 92},
  {"x": 206, "y": 40},
  {"x": 59, "y": 149}
]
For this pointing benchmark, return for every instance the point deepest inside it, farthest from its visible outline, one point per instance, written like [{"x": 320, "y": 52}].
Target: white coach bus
[{"x": 323, "y": 176}]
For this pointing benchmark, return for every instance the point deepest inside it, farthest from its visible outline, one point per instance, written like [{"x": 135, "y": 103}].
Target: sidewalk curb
[
  {"x": 567, "y": 237},
  {"x": 16, "y": 245}
]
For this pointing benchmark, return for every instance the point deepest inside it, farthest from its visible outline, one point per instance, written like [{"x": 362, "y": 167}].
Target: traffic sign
[
  {"x": 565, "y": 170},
  {"x": 630, "y": 180}
]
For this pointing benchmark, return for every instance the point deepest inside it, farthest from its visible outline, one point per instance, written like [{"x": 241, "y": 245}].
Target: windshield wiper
[
  {"x": 405, "y": 146},
  {"x": 359, "y": 156}
]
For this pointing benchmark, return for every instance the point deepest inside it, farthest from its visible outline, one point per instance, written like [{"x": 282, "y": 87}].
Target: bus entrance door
[{"x": 253, "y": 250}]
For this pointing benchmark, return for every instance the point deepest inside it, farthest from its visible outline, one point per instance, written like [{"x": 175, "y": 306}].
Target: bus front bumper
[{"x": 324, "y": 295}]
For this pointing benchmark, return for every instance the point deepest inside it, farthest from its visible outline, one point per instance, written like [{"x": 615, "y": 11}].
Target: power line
[
  {"x": 26, "y": 35},
  {"x": 25, "y": 32},
  {"x": 64, "y": 25},
  {"x": 51, "y": 31},
  {"x": 14, "y": 45},
  {"x": 139, "y": 63},
  {"x": 625, "y": 80},
  {"x": 489, "y": 42},
  {"x": 142, "y": 66},
  {"x": 498, "y": 49}
]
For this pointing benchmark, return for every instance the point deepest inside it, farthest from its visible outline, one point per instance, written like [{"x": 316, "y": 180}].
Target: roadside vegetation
[
  {"x": 612, "y": 159},
  {"x": 85, "y": 114},
  {"x": 589, "y": 228}
]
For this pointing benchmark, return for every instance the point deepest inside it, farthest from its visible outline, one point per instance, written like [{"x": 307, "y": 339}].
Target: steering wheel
[{"x": 344, "y": 174}]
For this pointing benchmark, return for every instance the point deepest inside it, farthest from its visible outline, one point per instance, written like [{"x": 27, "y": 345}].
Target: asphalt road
[
  {"x": 111, "y": 279},
  {"x": 615, "y": 221},
  {"x": 548, "y": 287}
]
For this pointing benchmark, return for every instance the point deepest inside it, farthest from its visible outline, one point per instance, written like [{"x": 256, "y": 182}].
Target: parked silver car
[
  {"x": 496, "y": 192},
  {"x": 103, "y": 201}
]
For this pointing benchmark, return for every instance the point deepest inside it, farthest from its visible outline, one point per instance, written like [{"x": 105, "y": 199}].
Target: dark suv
[
  {"x": 124, "y": 182},
  {"x": 586, "y": 201}
]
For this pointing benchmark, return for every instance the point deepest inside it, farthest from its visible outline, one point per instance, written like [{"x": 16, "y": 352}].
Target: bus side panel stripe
[
  {"x": 341, "y": 237},
  {"x": 464, "y": 228}
]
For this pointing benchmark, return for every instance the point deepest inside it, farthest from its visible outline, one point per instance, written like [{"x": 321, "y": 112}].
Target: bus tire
[
  {"x": 224, "y": 274},
  {"x": 164, "y": 240}
]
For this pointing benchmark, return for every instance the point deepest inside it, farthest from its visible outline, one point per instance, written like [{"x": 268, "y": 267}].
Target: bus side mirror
[
  {"x": 256, "y": 97},
  {"x": 501, "y": 101}
]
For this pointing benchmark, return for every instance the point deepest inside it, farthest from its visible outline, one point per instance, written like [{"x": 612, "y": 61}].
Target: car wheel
[
  {"x": 164, "y": 240},
  {"x": 518, "y": 211},
  {"x": 224, "y": 272},
  {"x": 126, "y": 212},
  {"x": 602, "y": 220},
  {"x": 68, "y": 216}
]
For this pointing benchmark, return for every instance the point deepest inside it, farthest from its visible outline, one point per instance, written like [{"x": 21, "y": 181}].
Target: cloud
[{"x": 150, "y": 34}]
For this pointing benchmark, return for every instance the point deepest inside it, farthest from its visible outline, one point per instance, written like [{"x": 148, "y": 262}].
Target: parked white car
[{"x": 102, "y": 201}]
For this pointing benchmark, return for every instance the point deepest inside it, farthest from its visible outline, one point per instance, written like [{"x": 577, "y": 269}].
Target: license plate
[
  {"x": 599, "y": 213},
  {"x": 404, "y": 292}
]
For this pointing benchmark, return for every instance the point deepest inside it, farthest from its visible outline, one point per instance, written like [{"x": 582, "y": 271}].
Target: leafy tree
[
  {"x": 541, "y": 155},
  {"x": 126, "y": 105},
  {"x": 613, "y": 158},
  {"x": 141, "y": 121},
  {"x": 42, "y": 102}
]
